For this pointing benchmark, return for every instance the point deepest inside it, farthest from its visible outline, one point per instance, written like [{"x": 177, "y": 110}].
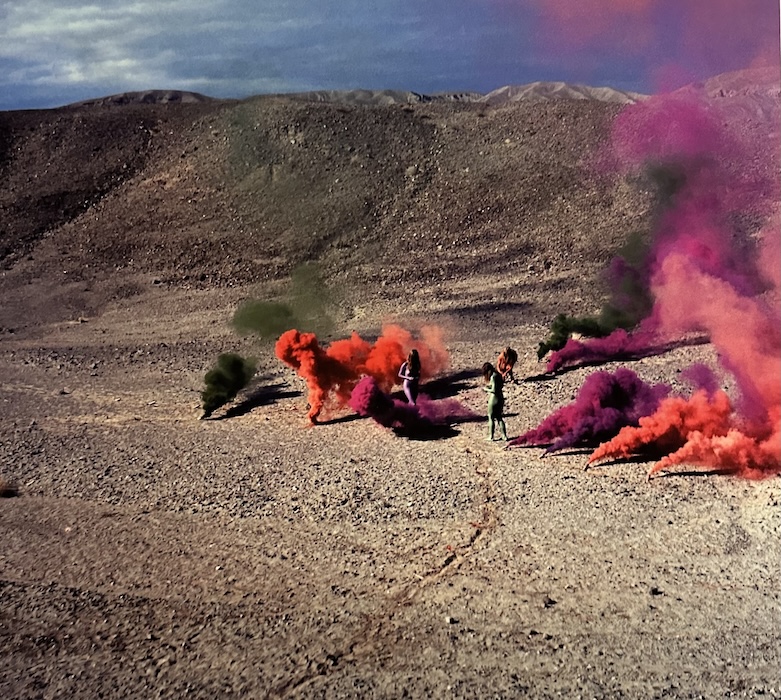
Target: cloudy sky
[{"x": 53, "y": 52}]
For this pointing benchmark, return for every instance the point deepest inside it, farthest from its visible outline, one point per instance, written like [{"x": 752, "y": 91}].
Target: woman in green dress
[{"x": 495, "y": 386}]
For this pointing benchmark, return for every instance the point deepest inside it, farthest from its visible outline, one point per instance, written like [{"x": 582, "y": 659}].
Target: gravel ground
[{"x": 153, "y": 554}]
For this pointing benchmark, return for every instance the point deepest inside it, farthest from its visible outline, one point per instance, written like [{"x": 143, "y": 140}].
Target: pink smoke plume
[
  {"x": 618, "y": 345},
  {"x": 605, "y": 403},
  {"x": 716, "y": 163},
  {"x": 332, "y": 373},
  {"x": 701, "y": 377},
  {"x": 707, "y": 431},
  {"x": 368, "y": 399},
  {"x": 585, "y": 22},
  {"x": 710, "y": 177},
  {"x": 674, "y": 41}
]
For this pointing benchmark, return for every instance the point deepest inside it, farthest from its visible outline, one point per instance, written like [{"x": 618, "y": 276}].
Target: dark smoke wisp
[{"x": 225, "y": 380}]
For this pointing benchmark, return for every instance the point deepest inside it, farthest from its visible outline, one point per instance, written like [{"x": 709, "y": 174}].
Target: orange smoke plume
[
  {"x": 392, "y": 348},
  {"x": 747, "y": 334},
  {"x": 735, "y": 452},
  {"x": 322, "y": 373},
  {"x": 669, "y": 428},
  {"x": 331, "y": 373}
]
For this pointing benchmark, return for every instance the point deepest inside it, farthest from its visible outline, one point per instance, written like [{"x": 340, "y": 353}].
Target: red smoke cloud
[
  {"x": 332, "y": 373},
  {"x": 734, "y": 452},
  {"x": 668, "y": 429},
  {"x": 605, "y": 403},
  {"x": 323, "y": 373},
  {"x": 746, "y": 331}
]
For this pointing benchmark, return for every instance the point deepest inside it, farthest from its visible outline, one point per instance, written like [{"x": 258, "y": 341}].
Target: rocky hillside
[{"x": 390, "y": 197}]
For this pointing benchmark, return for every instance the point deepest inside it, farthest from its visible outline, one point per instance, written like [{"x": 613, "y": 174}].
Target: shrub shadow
[
  {"x": 427, "y": 434},
  {"x": 260, "y": 396}
]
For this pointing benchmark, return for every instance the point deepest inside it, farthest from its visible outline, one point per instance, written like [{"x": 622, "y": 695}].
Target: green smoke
[
  {"x": 305, "y": 308},
  {"x": 230, "y": 375},
  {"x": 630, "y": 299},
  {"x": 628, "y": 273},
  {"x": 263, "y": 318},
  {"x": 563, "y": 327}
]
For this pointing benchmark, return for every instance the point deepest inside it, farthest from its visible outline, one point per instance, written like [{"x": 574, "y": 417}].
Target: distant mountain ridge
[
  {"x": 534, "y": 92},
  {"x": 145, "y": 97},
  {"x": 540, "y": 91},
  {"x": 759, "y": 84}
]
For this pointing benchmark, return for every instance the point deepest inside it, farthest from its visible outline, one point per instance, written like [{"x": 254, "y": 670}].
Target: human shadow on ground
[{"x": 450, "y": 385}]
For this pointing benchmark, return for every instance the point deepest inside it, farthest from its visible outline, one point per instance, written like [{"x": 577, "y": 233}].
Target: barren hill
[
  {"x": 198, "y": 192},
  {"x": 232, "y": 193}
]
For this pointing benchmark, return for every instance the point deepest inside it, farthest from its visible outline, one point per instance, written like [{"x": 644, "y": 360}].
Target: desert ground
[{"x": 148, "y": 553}]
